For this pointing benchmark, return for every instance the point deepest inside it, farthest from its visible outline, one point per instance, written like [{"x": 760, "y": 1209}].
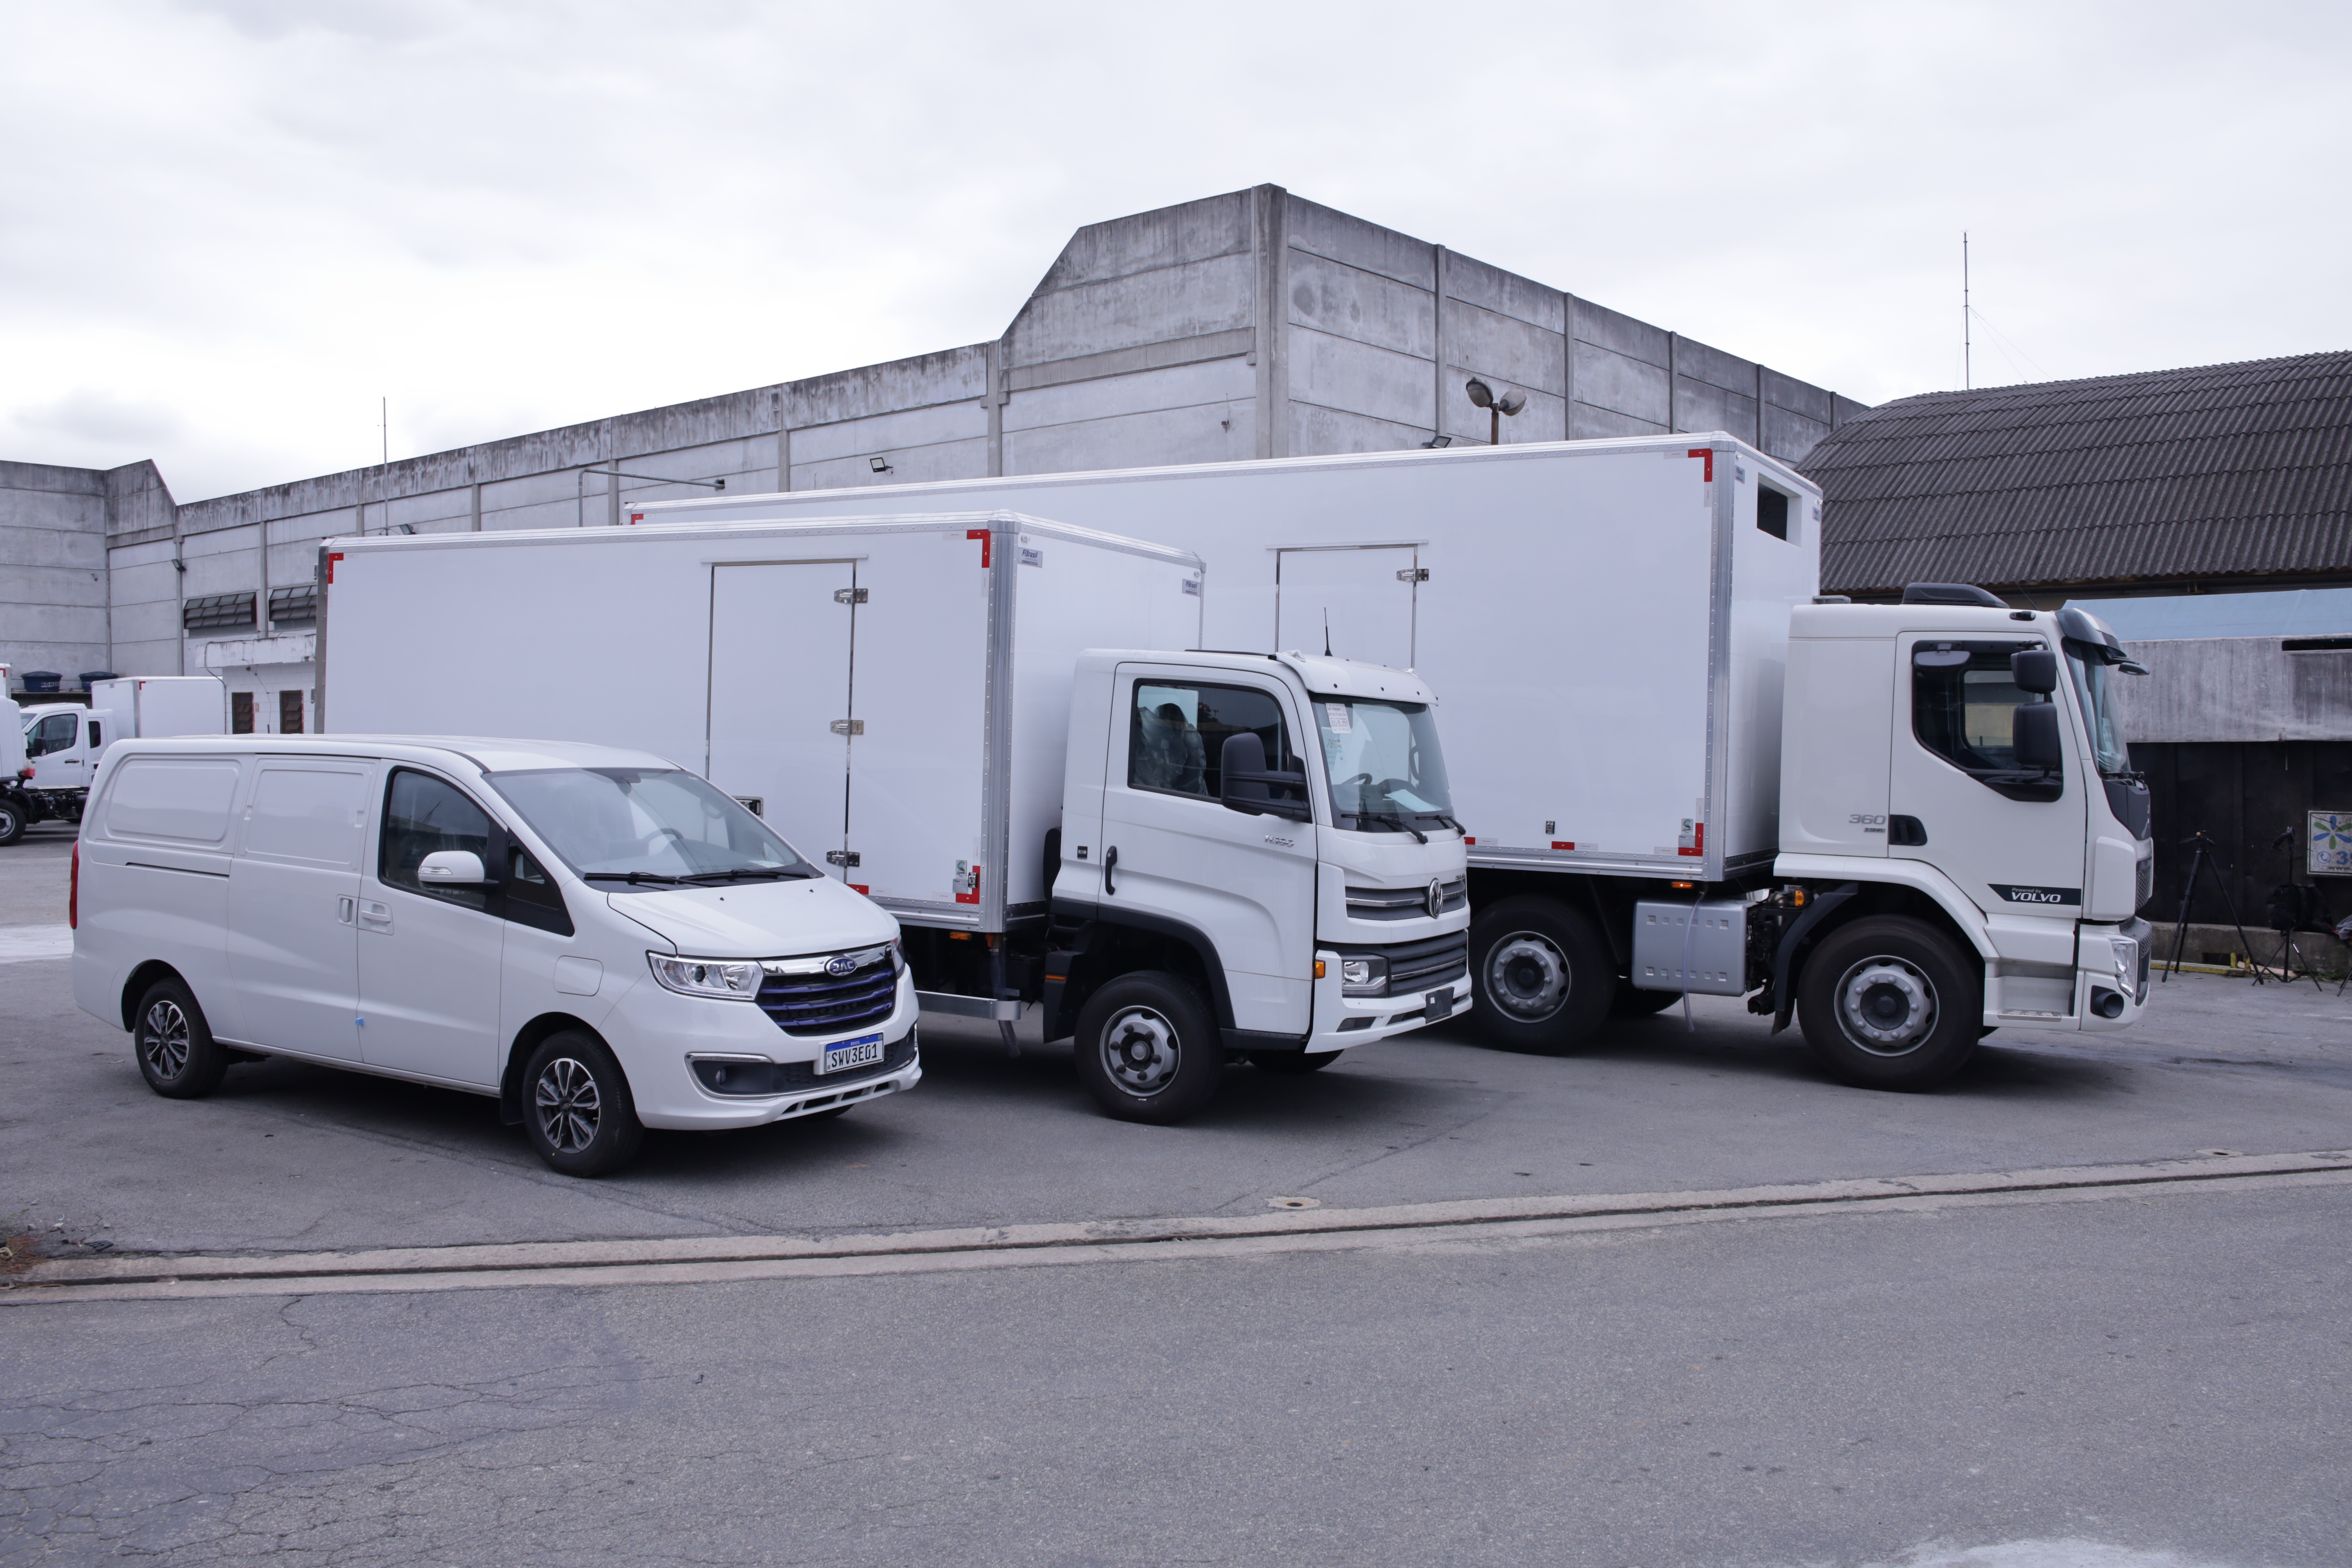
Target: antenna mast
[{"x": 1967, "y": 343}]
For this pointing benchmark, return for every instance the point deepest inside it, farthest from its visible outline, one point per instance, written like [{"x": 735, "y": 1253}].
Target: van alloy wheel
[
  {"x": 1140, "y": 1051},
  {"x": 1888, "y": 1008},
  {"x": 163, "y": 1039},
  {"x": 569, "y": 1106},
  {"x": 1527, "y": 976}
]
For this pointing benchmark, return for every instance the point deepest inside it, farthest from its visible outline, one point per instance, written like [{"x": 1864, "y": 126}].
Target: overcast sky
[{"x": 230, "y": 225}]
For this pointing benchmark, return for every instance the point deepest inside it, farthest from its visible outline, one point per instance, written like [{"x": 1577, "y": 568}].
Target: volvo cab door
[
  {"x": 2010, "y": 838},
  {"x": 1175, "y": 859}
]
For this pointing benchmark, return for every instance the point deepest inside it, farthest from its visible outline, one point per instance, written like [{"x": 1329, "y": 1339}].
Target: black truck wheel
[
  {"x": 576, "y": 1105},
  {"x": 178, "y": 1055},
  {"x": 12, "y": 821},
  {"x": 1889, "y": 1002},
  {"x": 1147, "y": 1049},
  {"x": 1540, "y": 977}
]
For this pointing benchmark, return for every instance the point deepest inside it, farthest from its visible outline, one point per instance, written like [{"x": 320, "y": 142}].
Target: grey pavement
[
  {"x": 2142, "y": 1382},
  {"x": 291, "y": 1156}
]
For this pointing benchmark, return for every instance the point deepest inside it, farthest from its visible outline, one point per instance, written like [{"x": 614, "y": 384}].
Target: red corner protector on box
[
  {"x": 980, "y": 534},
  {"x": 1563, "y": 844},
  {"x": 1709, "y": 453}
]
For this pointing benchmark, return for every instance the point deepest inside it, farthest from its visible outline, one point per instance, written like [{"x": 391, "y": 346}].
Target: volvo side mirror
[
  {"x": 451, "y": 869},
  {"x": 1243, "y": 785},
  {"x": 2034, "y": 733},
  {"x": 2034, "y": 669}
]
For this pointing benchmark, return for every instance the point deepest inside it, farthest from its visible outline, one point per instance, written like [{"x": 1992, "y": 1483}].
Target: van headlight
[
  {"x": 731, "y": 979},
  {"x": 1363, "y": 977}
]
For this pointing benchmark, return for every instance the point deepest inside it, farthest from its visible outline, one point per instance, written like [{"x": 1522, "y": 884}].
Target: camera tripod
[{"x": 2198, "y": 862}]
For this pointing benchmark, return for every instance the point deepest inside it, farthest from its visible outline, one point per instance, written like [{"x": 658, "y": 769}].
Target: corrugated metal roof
[{"x": 2212, "y": 472}]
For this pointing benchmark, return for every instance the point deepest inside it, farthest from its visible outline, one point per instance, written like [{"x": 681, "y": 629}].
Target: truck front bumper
[{"x": 1341, "y": 1021}]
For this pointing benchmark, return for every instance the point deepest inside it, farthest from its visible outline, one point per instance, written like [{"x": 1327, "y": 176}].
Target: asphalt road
[{"x": 2143, "y": 1381}]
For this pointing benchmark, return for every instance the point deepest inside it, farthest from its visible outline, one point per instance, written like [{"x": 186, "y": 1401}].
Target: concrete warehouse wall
[
  {"x": 1249, "y": 324},
  {"x": 52, "y": 570},
  {"x": 2238, "y": 688}
]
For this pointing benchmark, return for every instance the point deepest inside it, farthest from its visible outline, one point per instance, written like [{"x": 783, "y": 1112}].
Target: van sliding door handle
[{"x": 1110, "y": 864}]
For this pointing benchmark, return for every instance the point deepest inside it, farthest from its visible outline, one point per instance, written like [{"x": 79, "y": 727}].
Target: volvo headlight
[
  {"x": 1363, "y": 976},
  {"x": 2126, "y": 960},
  {"x": 734, "y": 979}
]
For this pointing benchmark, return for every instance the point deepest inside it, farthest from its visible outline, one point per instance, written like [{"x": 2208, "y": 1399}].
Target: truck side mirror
[
  {"x": 1244, "y": 782},
  {"x": 2034, "y": 733},
  {"x": 2034, "y": 669}
]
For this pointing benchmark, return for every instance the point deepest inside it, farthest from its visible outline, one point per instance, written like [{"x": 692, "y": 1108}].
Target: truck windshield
[
  {"x": 2094, "y": 685},
  {"x": 1387, "y": 773},
  {"x": 657, "y": 825}
]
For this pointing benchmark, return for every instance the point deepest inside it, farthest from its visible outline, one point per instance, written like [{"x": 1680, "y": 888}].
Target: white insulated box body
[
  {"x": 892, "y": 693},
  {"x": 1605, "y": 622}
]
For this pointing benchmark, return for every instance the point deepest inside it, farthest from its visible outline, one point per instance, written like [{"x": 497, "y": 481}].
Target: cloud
[
  {"x": 507, "y": 216},
  {"x": 99, "y": 421}
]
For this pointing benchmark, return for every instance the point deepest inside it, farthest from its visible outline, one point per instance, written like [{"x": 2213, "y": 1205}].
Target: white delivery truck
[
  {"x": 1178, "y": 855},
  {"x": 1679, "y": 772},
  {"x": 63, "y": 741}
]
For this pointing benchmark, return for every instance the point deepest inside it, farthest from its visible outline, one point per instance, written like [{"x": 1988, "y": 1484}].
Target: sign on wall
[{"x": 2331, "y": 844}]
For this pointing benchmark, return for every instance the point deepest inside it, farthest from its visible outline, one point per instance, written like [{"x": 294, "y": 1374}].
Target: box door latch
[{"x": 848, "y": 726}]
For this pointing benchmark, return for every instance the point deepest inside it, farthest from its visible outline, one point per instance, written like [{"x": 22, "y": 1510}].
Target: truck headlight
[
  {"x": 2126, "y": 960},
  {"x": 1363, "y": 977},
  {"x": 731, "y": 979}
]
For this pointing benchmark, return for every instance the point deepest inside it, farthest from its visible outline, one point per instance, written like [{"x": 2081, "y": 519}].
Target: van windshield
[
  {"x": 1387, "y": 773},
  {"x": 654, "y": 824}
]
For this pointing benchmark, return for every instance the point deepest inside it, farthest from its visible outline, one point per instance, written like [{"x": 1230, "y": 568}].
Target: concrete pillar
[
  {"x": 1441, "y": 275},
  {"x": 1568, "y": 366}
]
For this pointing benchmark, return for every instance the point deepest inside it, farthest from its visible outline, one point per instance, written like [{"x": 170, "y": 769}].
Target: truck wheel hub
[
  {"x": 1886, "y": 1006},
  {"x": 1140, "y": 1050},
  {"x": 164, "y": 1041},
  {"x": 1527, "y": 976}
]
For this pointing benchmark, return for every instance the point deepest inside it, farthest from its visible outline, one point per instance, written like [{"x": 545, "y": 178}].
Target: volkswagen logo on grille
[
  {"x": 1436, "y": 898},
  {"x": 839, "y": 964}
]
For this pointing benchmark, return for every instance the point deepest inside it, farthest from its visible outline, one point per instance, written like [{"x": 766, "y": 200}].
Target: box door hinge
[
  {"x": 841, "y": 857},
  {"x": 848, "y": 726},
  {"x": 849, "y": 595},
  {"x": 1412, "y": 574}
]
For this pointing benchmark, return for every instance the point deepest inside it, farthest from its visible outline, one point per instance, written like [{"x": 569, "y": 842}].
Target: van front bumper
[{"x": 660, "y": 1035}]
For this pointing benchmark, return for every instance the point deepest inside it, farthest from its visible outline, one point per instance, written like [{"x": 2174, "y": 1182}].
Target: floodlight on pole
[{"x": 1485, "y": 396}]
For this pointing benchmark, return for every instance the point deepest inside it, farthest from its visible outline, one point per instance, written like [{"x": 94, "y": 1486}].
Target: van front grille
[{"x": 828, "y": 1005}]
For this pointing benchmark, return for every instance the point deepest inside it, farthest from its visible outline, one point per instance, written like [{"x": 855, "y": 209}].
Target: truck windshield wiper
[
  {"x": 737, "y": 873},
  {"x": 631, "y": 877},
  {"x": 1394, "y": 820}
]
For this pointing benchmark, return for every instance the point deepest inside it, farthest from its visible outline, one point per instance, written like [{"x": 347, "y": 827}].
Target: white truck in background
[
  {"x": 63, "y": 741},
  {"x": 989, "y": 724},
  {"x": 1679, "y": 772}
]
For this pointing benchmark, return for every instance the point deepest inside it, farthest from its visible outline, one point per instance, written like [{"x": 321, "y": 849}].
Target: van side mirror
[
  {"x": 451, "y": 869},
  {"x": 2034, "y": 733},
  {"x": 1243, "y": 785},
  {"x": 2034, "y": 669}
]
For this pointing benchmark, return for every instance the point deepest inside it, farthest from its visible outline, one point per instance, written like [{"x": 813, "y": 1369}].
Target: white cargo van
[{"x": 597, "y": 938}]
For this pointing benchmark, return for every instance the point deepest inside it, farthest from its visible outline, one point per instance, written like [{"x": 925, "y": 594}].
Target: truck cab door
[
  {"x": 53, "y": 743},
  {"x": 1955, "y": 799},
  {"x": 1363, "y": 600},
  {"x": 1175, "y": 859}
]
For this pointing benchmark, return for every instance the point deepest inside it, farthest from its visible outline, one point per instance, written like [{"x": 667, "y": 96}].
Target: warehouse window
[
  {"x": 289, "y": 712},
  {"x": 218, "y": 612},
  {"x": 240, "y": 713},
  {"x": 295, "y": 605},
  {"x": 1772, "y": 512}
]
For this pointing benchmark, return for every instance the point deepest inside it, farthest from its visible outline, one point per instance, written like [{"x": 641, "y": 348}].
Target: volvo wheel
[
  {"x": 1147, "y": 1049},
  {"x": 177, "y": 1053},
  {"x": 577, "y": 1108},
  {"x": 1542, "y": 978},
  {"x": 1891, "y": 1003}
]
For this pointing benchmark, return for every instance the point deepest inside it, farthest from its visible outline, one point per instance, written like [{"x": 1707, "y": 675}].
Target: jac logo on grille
[{"x": 839, "y": 964}]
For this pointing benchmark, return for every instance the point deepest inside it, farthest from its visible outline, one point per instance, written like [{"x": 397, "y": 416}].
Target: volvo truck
[
  {"x": 1003, "y": 730},
  {"x": 1679, "y": 772}
]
